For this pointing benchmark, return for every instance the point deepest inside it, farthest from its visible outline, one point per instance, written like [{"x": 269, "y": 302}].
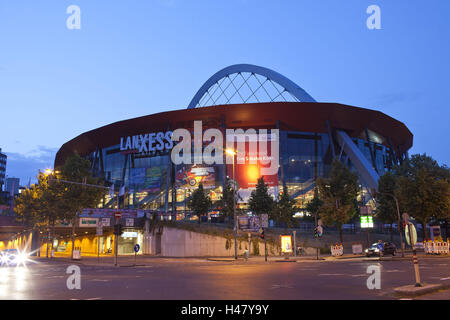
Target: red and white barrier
[
  {"x": 436, "y": 247},
  {"x": 337, "y": 250}
]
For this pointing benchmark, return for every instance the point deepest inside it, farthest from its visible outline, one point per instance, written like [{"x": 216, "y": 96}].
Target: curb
[
  {"x": 412, "y": 291},
  {"x": 222, "y": 259}
]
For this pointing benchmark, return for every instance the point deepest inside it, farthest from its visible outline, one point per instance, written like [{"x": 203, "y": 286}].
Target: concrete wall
[{"x": 183, "y": 243}]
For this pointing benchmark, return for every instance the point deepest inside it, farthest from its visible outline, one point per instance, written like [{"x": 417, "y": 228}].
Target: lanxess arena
[{"x": 310, "y": 135}]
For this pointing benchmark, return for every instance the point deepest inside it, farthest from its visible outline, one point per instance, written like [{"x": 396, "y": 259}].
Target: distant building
[
  {"x": 2, "y": 169},
  {"x": 12, "y": 186}
]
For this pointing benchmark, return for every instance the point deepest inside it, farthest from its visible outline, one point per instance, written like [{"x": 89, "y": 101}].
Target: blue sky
[{"x": 132, "y": 58}]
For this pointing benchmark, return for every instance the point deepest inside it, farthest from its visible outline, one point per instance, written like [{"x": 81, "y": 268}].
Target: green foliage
[
  {"x": 338, "y": 194},
  {"x": 228, "y": 244},
  {"x": 51, "y": 200},
  {"x": 27, "y": 207},
  {"x": 284, "y": 209},
  {"x": 199, "y": 202},
  {"x": 227, "y": 201},
  {"x": 255, "y": 243},
  {"x": 386, "y": 207},
  {"x": 423, "y": 189},
  {"x": 313, "y": 206},
  {"x": 260, "y": 201},
  {"x": 76, "y": 197}
]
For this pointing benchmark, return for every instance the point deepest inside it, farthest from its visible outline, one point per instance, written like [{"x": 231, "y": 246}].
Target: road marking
[
  {"x": 359, "y": 275},
  {"x": 448, "y": 278},
  {"x": 279, "y": 286},
  {"x": 99, "y": 298},
  {"x": 332, "y": 274},
  {"x": 395, "y": 271},
  {"x": 100, "y": 280}
]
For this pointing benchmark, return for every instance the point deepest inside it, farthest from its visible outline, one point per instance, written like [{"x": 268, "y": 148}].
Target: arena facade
[{"x": 138, "y": 154}]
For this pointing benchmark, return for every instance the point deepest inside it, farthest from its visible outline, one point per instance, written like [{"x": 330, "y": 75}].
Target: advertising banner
[
  {"x": 190, "y": 176},
  {"x": 286, "y": 244},
  {"x": 249, "y": 223},
  {"x": 247, "y": 171}
]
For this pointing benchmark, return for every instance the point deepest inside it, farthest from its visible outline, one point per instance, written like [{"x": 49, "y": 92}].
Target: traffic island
[{"x": 412, "y": 290}]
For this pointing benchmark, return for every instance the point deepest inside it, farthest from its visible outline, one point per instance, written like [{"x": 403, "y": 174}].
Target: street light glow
[{"x": 231, "y": 152}]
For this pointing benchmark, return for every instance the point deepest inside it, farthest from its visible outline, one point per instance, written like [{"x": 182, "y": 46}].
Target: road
[{"x": 160, "y": 278}]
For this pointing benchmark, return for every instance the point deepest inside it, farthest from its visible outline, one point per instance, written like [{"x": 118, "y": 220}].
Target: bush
[{"x": 255, "y": 247}]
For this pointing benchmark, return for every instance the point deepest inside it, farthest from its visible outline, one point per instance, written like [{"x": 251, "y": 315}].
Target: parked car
[{"x": 389, "y": 248}]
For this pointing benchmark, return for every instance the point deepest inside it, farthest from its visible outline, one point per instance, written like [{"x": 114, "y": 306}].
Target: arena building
[{"x": 311, "y": 134}]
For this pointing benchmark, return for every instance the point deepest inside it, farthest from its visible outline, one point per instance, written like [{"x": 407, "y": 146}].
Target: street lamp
[
  {"x": 233, "y": 153},
  {"x": 399, "y": 221}
]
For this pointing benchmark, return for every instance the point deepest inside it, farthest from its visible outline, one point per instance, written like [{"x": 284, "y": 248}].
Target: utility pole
[{"x": 233, "y": 153}]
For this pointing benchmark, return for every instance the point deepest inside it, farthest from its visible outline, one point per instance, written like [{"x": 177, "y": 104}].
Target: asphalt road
[{"x": 201, "y": 279}]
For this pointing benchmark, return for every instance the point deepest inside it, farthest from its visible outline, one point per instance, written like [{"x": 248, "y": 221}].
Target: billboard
[
  {"x": 247, "y": 170},
  {"x": 249, "y": 223},
  {"x": 190, "y": 176}
]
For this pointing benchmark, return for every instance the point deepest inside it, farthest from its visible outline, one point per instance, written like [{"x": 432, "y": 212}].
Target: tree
[
  {"x": 313, "y": 207},
  {"x": 284, "y": 209},
  {"x": 200, "y": 202},
  {"x": 27, "y": 207},
  {"x": 386, "y": 206},
  {"x": 227, "y": 201},
  {"x": 423, "y": 189},
  {"x": 76, "y": 197},
  {"x": 338, "y": 193},
  {"x": 260, "y": 200}
]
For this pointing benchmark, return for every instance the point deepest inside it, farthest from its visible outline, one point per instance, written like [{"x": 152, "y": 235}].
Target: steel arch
[{"x": 286, "y": 83}]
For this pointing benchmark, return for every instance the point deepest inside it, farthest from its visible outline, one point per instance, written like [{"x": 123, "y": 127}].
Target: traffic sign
[
  {"x": 137, "y": 247},
  {"x": 413, "y": 238},
  {"x": 118, "y": 214},
  {"x": 319, "y": 231}
]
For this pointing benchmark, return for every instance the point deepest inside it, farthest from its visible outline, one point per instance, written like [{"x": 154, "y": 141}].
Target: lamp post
[
  {"x": 233, "y": 153},
  {"x": 398, "y": 223}
]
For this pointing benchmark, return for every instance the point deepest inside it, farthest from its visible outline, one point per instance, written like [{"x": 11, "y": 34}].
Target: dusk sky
[{"x": 133, "y": 58}]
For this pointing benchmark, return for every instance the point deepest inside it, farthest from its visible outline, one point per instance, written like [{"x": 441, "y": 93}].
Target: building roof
[{"x": 293, "y": 116}]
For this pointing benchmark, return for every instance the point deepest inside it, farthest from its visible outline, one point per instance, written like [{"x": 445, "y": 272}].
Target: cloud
[{"x": 26, "y": 166}]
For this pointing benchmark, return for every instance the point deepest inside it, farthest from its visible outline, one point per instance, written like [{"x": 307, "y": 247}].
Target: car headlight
[
  {"x": 4, "y": 259},
  {"x": 377, "y": 250},
  {"x": 367, "y": 250},
  {"x": 20, "y": 258}
]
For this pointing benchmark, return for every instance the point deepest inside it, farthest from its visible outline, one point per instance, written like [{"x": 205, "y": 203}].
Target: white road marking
[
  {"x": 332, "y": 274},
  {"x": 279, "y": 286},
  {"x": 95, "y": 298},
  {"x": 100, "y": 280},
  {"x": 395, "y": 271},
  {"x": 448, "y": 278}
]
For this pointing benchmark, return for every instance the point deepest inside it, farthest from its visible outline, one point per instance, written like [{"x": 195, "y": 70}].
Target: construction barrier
[
  {"x": 436, "y": 247},
  {"x": 357, "y": 248},
  {"x": 337, "y": 250}
]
